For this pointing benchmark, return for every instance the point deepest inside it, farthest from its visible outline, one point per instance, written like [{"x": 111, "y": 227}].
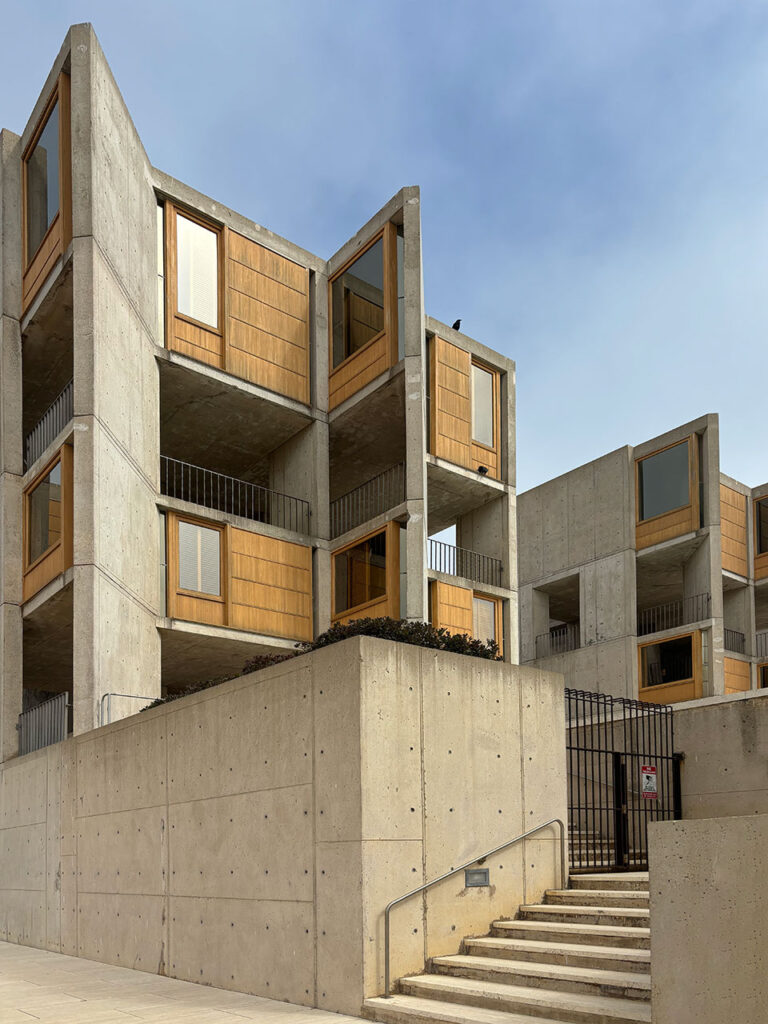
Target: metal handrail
[
  {"x": 468, "y": 565},
  {"x": 735, "y": 641},
  {"x": 49, "y": 426},
  {"x": 108, "y": 697},
  {"x": 455, "y": 871},
  {"x": 372, "y": 498}
]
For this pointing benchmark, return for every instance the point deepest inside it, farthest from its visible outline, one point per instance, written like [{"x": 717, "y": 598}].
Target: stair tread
[
  {"x": 630, "y": 876},
  {"x": 631, "y": 894},
  {"x": 621, "y": 1009},
  {"x": 567, "y": 948},
  {"x": 594, "y": 975},
  {"x": 580, "y": 929},
  {"x": 457, "y": 1013},
  {"x": 576, "y": 909}
]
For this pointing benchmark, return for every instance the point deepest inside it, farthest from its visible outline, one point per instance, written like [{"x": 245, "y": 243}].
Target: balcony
[
  {"x": 558, "y": 640},
  {"x": 673, "y": 614},
  {"x": 49, "y": 426},
  {"x": 234, "y": 497},
  {"x": 371, "y": 499},
  {"x": 469, "y": 565},
  {"x": 734, "y": 641}
]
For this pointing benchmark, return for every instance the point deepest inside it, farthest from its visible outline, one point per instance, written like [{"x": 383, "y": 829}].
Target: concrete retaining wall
[
  {"x": 709, "y": 920},
  {"x": 248, "y": 837}
]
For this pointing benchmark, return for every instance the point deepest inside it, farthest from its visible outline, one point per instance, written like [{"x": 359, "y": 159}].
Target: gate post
[{"x": 620, "y": 810}]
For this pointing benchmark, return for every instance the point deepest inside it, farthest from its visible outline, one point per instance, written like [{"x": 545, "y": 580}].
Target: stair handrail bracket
[{"x": 455, "y": 871}]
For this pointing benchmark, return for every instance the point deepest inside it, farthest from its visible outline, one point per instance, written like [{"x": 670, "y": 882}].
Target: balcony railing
[
  {"x": 673, "y": 614},
  {"x": 232, "y": 496},
  {"x": 734, "y": 641},
  {"x": 761, "y": 644},
  {"x": 48, "y": 723},
  {"x": 558, "y": 640},
  {"x": 470, "y": 565},
  {"x": 371, "y": 499},
  {"x": 49, "y": 426}
]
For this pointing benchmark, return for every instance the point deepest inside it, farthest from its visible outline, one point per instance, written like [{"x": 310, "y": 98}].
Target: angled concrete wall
[{"x": 249, "y": 836}]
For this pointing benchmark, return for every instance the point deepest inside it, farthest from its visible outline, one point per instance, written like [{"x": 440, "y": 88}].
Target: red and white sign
[{"x": 650, "y": 782}]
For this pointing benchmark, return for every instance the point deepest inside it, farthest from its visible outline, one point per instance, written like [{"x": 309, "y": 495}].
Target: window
[
  {"x": 160, "y": 272},
  {"x": 482, "y": 406},
  {"x": 762, "y": 676},
  {"x": 663, "y": 482},
  {"x": 44, "y": 512},
  {"x": 197, "y": 258},
  {"x": 484, "y": 619},
  {"x": 357, "y": 301},
  {"x": 360, "y": 573},
  {"x": 761, "y": 523},
  {"x": 670, "y": 661},
  {"x": 42, "y": 182},
  {"x": 199, "y": 559}
]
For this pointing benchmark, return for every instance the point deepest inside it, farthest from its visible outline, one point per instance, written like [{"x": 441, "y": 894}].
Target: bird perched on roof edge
[{"x": 457, "y": 325}]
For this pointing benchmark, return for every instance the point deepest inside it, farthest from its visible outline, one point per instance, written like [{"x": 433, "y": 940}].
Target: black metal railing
[
  {"x": 735, "y": 641},
  {"x": 371, "y": 499},
  {"x": 48, "y": 723},
  {"x": 623, "y": 773},
  {"x": 673, "y": 614},
  {"x": 470, "y": 565},
  {"x": 558, "y": 640},
  {"x": 761, "y": 644},
  {"x": 49, "y": 426},
  {"x": 235, "y": 497}
]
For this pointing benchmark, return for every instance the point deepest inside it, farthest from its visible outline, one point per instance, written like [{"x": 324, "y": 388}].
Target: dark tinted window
[
  {"x": 361, "y": 573},
  {"x": 45, "y": 514},
  {"x": 662, "y": 480},
  {"x": 357, "y": 301},
  {"x": 43, "y": 183},
  {"x": 761, "y": 515},
  {"x": 668, "y": 662}
]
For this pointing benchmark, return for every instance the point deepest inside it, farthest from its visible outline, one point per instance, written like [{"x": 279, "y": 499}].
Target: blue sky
[{"x": 594, "y": 177}]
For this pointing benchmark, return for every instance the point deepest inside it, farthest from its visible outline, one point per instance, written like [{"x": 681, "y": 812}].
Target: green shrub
[{"x": 420, "y": 634}]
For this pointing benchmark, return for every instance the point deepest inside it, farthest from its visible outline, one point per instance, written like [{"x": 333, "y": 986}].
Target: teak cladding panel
[
  {"x": 679, "y": 521},
  {"x": 58, "y": 557},
  {"x": 737, "y": 675},
  {"x": 451, "y": 607},
  {"x": 733, "y": 523},
  {"x": 451, "y": 389}
]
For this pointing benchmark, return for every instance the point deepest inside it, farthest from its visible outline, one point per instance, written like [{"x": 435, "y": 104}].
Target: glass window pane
[
  {"x": 668, "y": 662},
  {"x": 43, "y": 183},
  {"x": 198, "y": 271},
  {"x": 484, "y": 619},
  {"x": 45, "y": 514},
  {"x": 763, "y": 670},
  {"x": 199, "y": 559},
  {"x": 482, "y": 406},
  {"x": 360, "y": 573},
  {"x": 663, "y": 481},
  {"x": 761, "y": 511},
  {"x": 160, "y": 272},
  {"x": 357, "y": 301}
]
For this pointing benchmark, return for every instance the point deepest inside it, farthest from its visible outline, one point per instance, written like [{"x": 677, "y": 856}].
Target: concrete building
[
  {"x": 213, "y": 443},
  {"x": 645, "y": 573}
]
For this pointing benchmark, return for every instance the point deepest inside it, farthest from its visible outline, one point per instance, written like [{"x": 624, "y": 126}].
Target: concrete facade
[
  {"x": 248, "y": 837},
  {"x": 141, "y": 403},
  {"x": 597, "y": 586},
  {"x": 709, "y": 920}
]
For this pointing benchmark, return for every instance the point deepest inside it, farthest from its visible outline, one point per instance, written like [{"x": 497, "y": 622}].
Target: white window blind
[
  {"x": 482, "y": 406},
  {"x": 483, "y": 619},
  {"x": 199, "y": 559},
  {"x": 198, "y": 271}
]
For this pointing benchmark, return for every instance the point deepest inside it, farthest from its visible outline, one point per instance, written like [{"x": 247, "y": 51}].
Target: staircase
[{"x": 583, "y": 956}]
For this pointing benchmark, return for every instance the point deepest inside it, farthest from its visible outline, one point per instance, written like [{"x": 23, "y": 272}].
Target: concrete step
[
  {"x": 402, "y": 1009},
  {"x": 597, "y": 897},
  {"x": 552, "y": 977},
  {"x": 568, "y": 954},
  {"x": 575, "y": 931},
  {"x": 624, "y": 880},
  {"x": 536, "y": 1002},
  {"x": 624, "y": 917}
]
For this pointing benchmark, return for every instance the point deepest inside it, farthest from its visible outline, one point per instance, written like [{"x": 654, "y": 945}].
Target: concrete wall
[
  {"x": 250, "y": 836},
  {"x": 709, "y": 920},
  {"x": 724, "y": 740}
]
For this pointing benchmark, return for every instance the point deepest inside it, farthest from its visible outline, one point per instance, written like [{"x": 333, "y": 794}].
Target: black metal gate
[{"x": 622, "y": 774}]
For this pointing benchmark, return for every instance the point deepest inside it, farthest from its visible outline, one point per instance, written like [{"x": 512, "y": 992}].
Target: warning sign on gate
[{"x": 650, "y": 782}]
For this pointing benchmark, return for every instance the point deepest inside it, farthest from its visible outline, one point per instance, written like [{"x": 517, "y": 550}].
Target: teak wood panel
[
  {"x": 451, "y": 403},
  {"x": 59, "y": 556},
  {"x": 389, "y": 603},
  {"x": 270, "y": 585},
  {"x": 684, "y": 689},
  {"x": 733, "y": 524},
  {"x": 38, "y": 265},
  {"x": 451, "y": 607},
  {"x": 737, "y": 675},
  {"x": 680, "y": 520},
  {"x": 209, "y": 609},
  {"x": 380, "y": 352}
]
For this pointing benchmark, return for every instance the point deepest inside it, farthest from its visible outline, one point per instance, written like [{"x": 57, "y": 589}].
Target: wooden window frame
[
  {"x": 498, "y": 614},
  {"x": 647, "y": 530},
  {"x": 172, "y": 210},
  {"x": 661, "y": 689},
  {"x": 59, "y": 232},
  {"x": 60, "y": 553},
  {"x": 760, "y": 568},
  {"x": 173, "y": 562},
  {"x": 388, "y": 234},
  {"x": 391, "y": 595}
]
